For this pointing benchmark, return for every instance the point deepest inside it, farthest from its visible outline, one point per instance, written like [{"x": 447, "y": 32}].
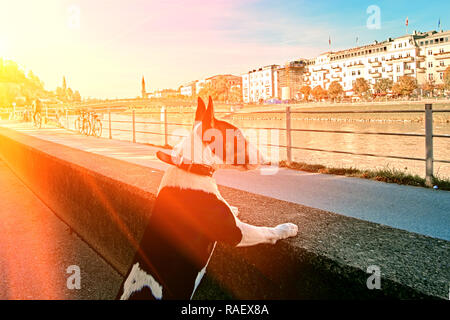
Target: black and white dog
[{"x": 190, "y": 215}]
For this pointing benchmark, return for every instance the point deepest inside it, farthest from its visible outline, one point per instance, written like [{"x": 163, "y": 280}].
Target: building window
[
  {"x": 430, "y": 64},
  {"x": 441, "y": 76},
  {"x": 442, "y": 63},
  {"x": 430, "y": 77},
  {"x": 398, "y": 68},
  {"x": 441, "y": 50}
]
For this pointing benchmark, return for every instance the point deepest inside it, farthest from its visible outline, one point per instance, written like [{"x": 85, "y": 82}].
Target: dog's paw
[
  {"x": 287, "y": 230},
  {"x": 234, "y": 210}
]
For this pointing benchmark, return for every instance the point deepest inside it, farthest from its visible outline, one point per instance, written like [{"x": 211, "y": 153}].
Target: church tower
[{"x": 144, "y": 93}]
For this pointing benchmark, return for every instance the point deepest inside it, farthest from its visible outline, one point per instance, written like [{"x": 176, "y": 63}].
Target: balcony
[
  {"x": 420, "y": 58},
  {"x": 337, "y": 69},
  {"x": 358, "y": 65},
  {"x": 421, "y": 70},
  {"x": 442, "y": 55},
  {"x": 376, "y": 64},
  {"x": 404, "y": 59},
  {"x": 376, "y": 75},
  {"x": 409, "y": 71}
]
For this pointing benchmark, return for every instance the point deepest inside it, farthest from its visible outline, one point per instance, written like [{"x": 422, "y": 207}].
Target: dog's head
[{"x": 216, "y": 142}]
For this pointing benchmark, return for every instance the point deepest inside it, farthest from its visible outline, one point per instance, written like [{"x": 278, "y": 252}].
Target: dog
[{"x": 190, "y": 216}]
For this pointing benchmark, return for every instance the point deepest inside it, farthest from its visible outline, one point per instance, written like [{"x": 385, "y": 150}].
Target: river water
[{"x": 412, "y": 147}]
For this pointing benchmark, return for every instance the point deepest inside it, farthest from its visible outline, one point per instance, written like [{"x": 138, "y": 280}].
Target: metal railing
[{"x": 289, "y": 130}]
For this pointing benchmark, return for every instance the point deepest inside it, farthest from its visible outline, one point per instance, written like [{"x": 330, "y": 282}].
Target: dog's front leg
[{"x": 253, "y": 235}]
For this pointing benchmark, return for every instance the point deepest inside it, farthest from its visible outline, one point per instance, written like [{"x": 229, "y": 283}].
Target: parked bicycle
[{"x": 88, "y": 123}]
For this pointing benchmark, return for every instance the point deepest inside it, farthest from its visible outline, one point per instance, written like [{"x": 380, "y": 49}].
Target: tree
[
  {"x": 235, "y": 94},
  {"x": 383, "y": 86},
  {"x": 405, "y": 86},
  {"x": 306, "y": 91},
  {"x": 335, "y": 90},
  {"x": 361, "y": 87},
  {"x": 428, "y": 87},
  {"x": 77, "y": 96},
  {"x": 319, "y": 93},
  {"x": 447, "y": 78}
]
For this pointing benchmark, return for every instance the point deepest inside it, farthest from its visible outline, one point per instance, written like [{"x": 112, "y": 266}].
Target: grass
[{"x": 388, "y": 175}]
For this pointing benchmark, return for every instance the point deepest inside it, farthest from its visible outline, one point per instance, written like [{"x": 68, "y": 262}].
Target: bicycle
[
  {"x": 86, "y": 124},
  {"x": 96, "y": 126}
]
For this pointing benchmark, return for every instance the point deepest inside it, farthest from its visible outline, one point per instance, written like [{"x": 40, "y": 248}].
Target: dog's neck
[{"x": 179, "y": 178}]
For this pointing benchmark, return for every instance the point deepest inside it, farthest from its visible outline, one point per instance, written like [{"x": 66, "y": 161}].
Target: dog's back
[{"x": 178, "y": 242}]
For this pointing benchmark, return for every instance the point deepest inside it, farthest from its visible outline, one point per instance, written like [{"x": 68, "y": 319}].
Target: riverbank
[{"x": 388, "y": 175}]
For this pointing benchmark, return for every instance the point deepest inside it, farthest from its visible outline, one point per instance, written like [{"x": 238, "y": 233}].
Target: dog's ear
[
  {"x": 201, "y": 109},
  {"x": 208, "y": 118}
]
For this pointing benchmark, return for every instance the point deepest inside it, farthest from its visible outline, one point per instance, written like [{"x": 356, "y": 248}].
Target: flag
[
  {"x": 356, "y": 40},
  {"x": 439, "y": 24},
  {"x": 329, "y": 40},
  {"x": 406, "y": 21}
]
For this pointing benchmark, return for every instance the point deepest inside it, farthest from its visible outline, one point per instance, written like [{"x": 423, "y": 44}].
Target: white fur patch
[
  {"x": 138, "y": 279},
  {"x": 176, "y": 177},
  {"x": 202, "y": 272}
]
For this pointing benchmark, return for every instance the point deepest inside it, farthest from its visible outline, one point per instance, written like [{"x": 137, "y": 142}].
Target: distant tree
[
  {"x": 428, "y": 87},
  {"x": 306, "y": 91},
  {"x": 383, "y": 86},
  {"x": 440, "y": 88},
  {"x": 77, "y": 96},
  {"x": 361, "y": 87},
  {"x": 447, "y": 78},
  {"x": 335, "y": 90},
  {"x": 69, "y": 94},
  {"x": 235, "y": 94},
  {"x": 61, "y": 94},
  {"x": 319, "y": 93},
  {"x": 405, "y": 86}
]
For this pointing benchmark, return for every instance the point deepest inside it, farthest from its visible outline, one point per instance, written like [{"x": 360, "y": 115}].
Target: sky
[{"x": 104, "y": 47}]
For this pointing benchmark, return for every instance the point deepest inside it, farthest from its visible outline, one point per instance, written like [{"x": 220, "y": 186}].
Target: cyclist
[{"x": 37, "y": 107}]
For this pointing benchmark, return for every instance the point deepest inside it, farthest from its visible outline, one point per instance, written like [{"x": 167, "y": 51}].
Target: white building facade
[
  {"x": 260, "y": 84},
  {"x": 424, "y": 56}
]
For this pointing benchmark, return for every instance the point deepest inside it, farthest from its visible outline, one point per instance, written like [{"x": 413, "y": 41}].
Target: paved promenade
[
  {"x": 415, "y": 209},
  {"x": 36, "y": 248}
]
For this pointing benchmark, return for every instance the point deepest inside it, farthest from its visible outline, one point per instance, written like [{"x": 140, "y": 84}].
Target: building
[
  {"x": 290, "y": 79},
  {"x": 164, "y": 93},
  {"x": 260, "y": 84},
  {"x": 423, "y": 56},
  {"x": 188, "y": 89},
  {"x": 232, "y": 81}
]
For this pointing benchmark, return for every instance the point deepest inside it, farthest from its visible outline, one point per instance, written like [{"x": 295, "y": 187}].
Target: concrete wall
[{"x": 107, "y": 202}]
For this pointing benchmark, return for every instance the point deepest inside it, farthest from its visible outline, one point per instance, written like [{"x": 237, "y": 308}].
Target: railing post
[
  {"x": 288, "y": 136},
  {"x": 134, "y": 128},
  {"x": 429, "y": 145},
  {"x": 109, "y": 124},
  {"x": 166, "y": 132}
]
